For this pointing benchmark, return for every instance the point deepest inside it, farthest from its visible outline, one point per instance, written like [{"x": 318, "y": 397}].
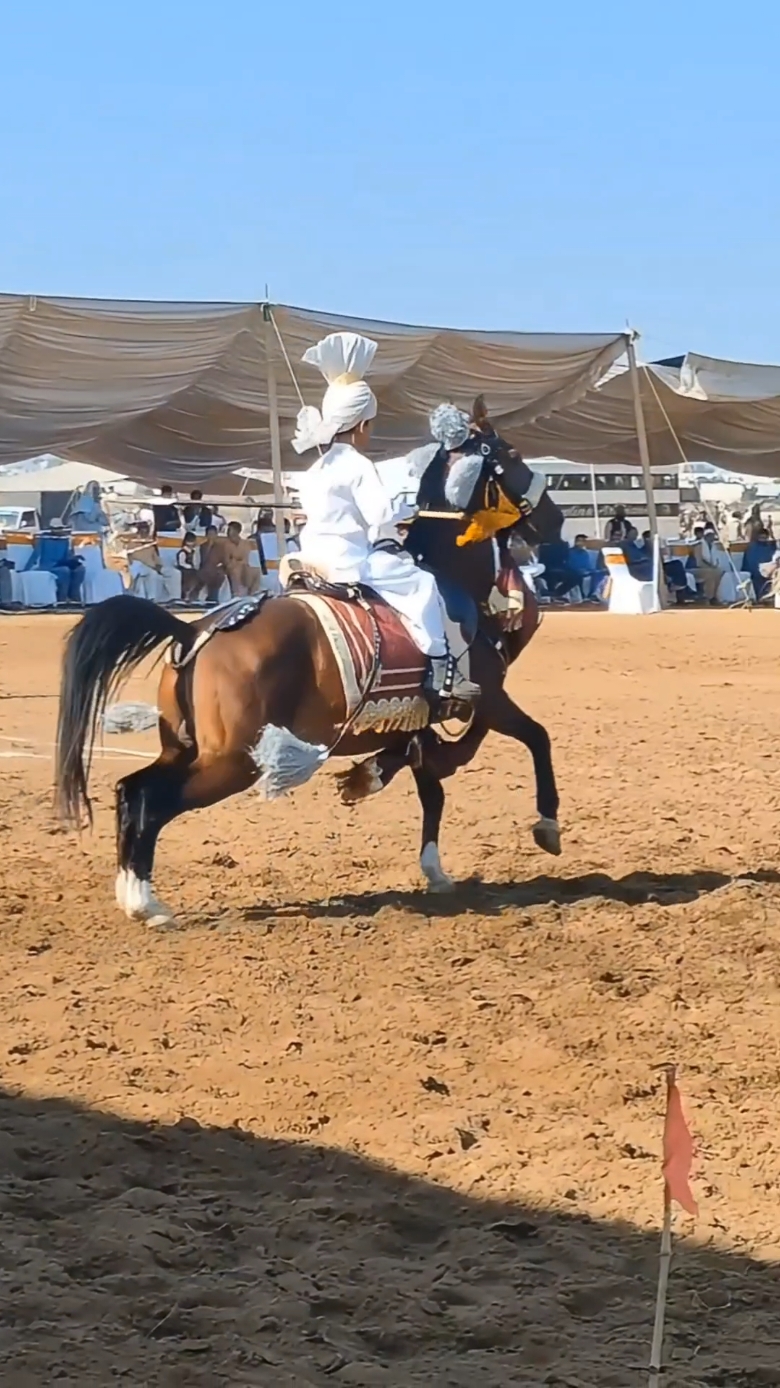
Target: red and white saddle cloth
[{"x": 396, "y": 702}]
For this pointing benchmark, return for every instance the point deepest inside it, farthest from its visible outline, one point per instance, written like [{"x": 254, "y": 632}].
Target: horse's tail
[{"x": 111, "y": 639}]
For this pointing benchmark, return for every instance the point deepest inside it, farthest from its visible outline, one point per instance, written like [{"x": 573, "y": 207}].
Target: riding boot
[{"x": 448, "y": 685}]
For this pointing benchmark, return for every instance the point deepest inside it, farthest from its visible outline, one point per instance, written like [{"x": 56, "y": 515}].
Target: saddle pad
[{"x": 396, "y": 702}]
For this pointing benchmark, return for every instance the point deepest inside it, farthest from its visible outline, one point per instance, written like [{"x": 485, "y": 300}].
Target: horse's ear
[{"x": 479, "y": 415}]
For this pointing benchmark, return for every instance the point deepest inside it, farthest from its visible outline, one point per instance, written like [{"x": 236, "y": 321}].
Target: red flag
[{"x": 678, "y": 1151}]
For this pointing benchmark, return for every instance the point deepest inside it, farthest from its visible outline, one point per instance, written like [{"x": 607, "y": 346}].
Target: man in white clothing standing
[{"x": 351, "y": 534}]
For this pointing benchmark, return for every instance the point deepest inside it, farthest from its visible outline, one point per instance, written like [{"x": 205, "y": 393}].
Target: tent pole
[
  {"x": 276, "y": 438},
  {"x": 641, "y": 434},
  {"x": 596, "y": 519}
]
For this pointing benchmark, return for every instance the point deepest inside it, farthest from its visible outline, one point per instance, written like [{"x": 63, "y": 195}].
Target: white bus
[{"x": 588, "y": 496}]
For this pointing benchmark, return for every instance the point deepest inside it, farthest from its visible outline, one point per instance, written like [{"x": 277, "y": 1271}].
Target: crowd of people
[
  {"x": 579, "y": 569},
  {"x": 215, "y": 556}
]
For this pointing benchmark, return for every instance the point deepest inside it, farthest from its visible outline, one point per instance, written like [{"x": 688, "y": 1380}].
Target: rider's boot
[{"x": 448, "y": 685}]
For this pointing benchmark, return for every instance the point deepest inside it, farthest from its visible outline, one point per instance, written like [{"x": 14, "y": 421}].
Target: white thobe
[{"x": 348, "y": 512}]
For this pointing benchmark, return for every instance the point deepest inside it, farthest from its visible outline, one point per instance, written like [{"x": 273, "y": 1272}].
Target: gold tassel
[{"x": 485, "y": 524}]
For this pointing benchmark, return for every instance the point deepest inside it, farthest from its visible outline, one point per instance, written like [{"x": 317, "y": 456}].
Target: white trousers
[{"x": 413, "y": 593}]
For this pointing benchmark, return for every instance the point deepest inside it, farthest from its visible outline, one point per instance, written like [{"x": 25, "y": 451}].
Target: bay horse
[{"x": 266, "y": 703}]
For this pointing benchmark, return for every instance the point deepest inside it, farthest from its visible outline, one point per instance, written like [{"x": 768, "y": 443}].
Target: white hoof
[
  {"x": 547, "y": 836},
  {"x": 438, "y": 880},
  {"x": 140, "y": 903}
]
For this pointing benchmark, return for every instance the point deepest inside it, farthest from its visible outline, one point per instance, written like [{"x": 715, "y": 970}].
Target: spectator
[
  {"x": 166, "y": 515},
  {"x": 148, "y": 577},
  {"x": 213, "y": 571},
  {"x": 197, "y": 514},
  {"x": 760, "y": 551},
  {"x": 618, "y": 527},
  {"x": 674, "y": 572},
  {"x": 53, "y": 553},
  {"x": 187, "y": 566},
  {"x": 704, "y": 563},
  {"x": 581, "y": 562},
  {"x": 243, "y": 579},
  {"x": 263, "y": 526},
  {"x": 639, "y": 556},
  {"x": 87, "y": 514},
  {"x": 559, "y": 577},
  {"x": 754, "y": 528}
]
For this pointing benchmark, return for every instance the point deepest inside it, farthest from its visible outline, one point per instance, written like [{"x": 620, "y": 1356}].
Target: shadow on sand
[
  {"x": 166, "y": 1256},
  {"x": 493, "y": 898}
]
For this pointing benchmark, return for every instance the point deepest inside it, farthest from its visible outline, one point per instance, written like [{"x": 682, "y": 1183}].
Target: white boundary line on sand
[{"x": 25, "y": 745}]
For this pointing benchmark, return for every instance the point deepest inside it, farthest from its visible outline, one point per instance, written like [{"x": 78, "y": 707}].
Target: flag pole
[{"x": 657, "y": 1348}]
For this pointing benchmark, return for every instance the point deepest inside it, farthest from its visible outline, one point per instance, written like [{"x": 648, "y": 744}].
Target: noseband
[{"x": 528, "y": 500}]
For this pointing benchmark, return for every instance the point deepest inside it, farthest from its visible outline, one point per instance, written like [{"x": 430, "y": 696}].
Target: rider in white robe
[{"x": 351, "y": 533}]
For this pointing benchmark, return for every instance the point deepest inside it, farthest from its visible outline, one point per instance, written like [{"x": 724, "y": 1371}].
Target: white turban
[{"x": 343, "y": 359}]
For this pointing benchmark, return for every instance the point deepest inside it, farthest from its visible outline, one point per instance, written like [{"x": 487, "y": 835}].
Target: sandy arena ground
[{"x": 336, "y": 1131}]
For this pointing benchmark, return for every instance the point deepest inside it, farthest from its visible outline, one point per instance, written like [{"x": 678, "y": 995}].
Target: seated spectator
[
  {"x": 197, "y": 514},
  {"x": 149, "y": 578},
  {"x": 582, "y": 562},
  {"x": 244, "y": 580},
  {"x": 639, "y": 556},
  {"x": 761, "y": 550},
  {"x": 618, "y": 527},
  {"x": 166, "y": 515},
  {"x": 186, "y": 563},
  {"x": 704, "y": 563},
  {"x": 53, "y": 553},
  {"x": 674, "y": 573},
  {"x": 213, "y": 570},
  {"x": 559, "y": 577}
]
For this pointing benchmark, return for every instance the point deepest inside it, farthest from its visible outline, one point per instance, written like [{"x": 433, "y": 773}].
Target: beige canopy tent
[
  {"x": 187, "y": 392},
  {"x": 698, "y": 408}
]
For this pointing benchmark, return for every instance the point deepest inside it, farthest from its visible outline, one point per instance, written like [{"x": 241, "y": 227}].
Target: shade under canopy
[{"x": 179, "y": 392}]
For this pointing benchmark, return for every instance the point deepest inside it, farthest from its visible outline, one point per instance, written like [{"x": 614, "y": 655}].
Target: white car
[{"x": 19, "y": 518}]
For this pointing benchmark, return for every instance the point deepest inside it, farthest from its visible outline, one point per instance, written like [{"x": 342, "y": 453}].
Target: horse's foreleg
[
  {"x": 431, "y": 793},
  {"x": 503, "y": 716}
]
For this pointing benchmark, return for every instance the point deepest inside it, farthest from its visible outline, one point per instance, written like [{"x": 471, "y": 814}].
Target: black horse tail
[{"x": 111, "y": 639}]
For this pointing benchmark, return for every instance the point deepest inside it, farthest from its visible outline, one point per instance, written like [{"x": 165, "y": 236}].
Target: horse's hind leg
[
  {"x": 149, "y": 799},
  {"x": 146, "y": 801}
]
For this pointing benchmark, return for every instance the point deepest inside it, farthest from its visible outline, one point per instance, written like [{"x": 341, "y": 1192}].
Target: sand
[{"x": 336, "y": 1130}]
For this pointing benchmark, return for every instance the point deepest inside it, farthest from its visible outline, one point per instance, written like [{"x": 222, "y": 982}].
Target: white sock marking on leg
[{"x": 430, "y": 862}]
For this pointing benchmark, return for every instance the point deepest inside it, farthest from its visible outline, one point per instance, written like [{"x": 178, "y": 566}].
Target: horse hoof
[
  {"x": 361, "y": 780},
  {"x": 163, "y": 920},
  {"x": 547, "y": 836},
  {"x": 140, "y": 903},
  {"x": 438, "y": 880},
  {"x": 441, "y": 884}
]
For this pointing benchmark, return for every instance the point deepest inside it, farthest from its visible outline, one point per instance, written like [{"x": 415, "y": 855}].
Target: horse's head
[{"x": 483, "y": 475}]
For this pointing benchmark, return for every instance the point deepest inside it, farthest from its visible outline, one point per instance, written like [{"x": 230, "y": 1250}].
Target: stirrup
[{"x": 453, "y": 693}]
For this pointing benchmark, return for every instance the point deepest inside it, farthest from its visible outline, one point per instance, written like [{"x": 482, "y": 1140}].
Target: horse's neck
[{"x": 471, "y": 567}]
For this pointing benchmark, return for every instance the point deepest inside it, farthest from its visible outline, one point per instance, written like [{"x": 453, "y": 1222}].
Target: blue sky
[{"x": 558, "y": 166}]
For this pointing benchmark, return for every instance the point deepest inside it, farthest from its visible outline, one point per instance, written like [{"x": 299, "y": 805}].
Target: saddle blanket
[{"x": 396, "y": 702}]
